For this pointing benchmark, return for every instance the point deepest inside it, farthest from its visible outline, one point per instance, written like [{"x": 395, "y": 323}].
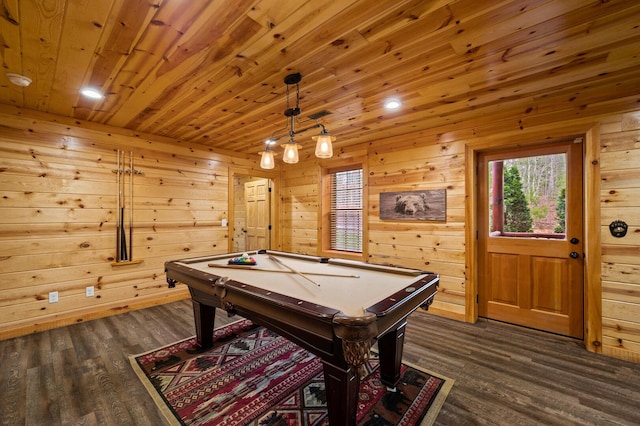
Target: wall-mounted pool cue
[
  {"x": 122, "y": 242},
  {"x": 118, "y": 233},
  {"x": 124, "y": 254},
  {"x": 131, "y": 205}
]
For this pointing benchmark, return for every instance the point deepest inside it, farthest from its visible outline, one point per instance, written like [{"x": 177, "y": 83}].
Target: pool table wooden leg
[
  {"x": 204, "y": 316},
  {"x": 338, "y": 381},
  {"x": 390, "y": 346}
]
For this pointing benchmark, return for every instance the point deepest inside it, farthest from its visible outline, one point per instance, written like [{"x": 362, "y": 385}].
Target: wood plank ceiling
[{"x": 211, "y": 72}]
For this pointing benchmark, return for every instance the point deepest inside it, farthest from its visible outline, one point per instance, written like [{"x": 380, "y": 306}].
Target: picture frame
[{"x": 414, "y": 205}]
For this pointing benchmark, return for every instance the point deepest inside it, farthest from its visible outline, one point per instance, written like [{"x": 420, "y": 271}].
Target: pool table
[{"x": 334, "y": 308}]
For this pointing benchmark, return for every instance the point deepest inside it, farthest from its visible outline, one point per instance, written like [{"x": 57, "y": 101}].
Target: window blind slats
[{"x": 346, "y": 210}]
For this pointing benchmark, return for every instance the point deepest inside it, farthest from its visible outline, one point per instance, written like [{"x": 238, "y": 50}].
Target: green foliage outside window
[
  {"x": 561, "y": 212},
  {"x": 517, "y": 217}
]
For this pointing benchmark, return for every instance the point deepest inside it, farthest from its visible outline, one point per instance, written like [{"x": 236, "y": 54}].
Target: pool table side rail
[
  {"x": 378, "y": 268},
  {"x": 425, "y": 289},
  {"x": 215, "y": 257},
  {"x": 180, "y": 272},
  {"x": 334, "y": 261}
]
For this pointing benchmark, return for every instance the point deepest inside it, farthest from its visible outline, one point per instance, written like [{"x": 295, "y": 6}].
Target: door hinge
[
  {"x": 269, "y": 228},
  {"x": 477, "y": 234},
  {"x": 477, "y": 298},
  {"x": 270, "y": 189}
]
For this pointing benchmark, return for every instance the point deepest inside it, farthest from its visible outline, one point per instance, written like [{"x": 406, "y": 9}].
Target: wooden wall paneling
[
  {"x": 621, "y": 291},
  {"x": 111, "y": 138},
  {"x": 629, "y": 213},
  {"x": 300, "y": 206},
  {"x": 418, "y": 239},
  {"x": 421, "y": 244},
  {"x": 617, "y": 332},
  {"x": 620, "y": 256},
  {"x": 239, "y": 214},
  {"x": 58, "y": 202},
  {"x": 431, "y": 227}
]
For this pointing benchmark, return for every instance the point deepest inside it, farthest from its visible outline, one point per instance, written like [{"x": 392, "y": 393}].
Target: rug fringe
[
  {"x": 161, "y": 404},
  {"x": 441, "y": 396}
]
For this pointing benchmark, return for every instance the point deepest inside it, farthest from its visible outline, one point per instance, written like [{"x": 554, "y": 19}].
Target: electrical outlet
[
  {"x": 89, "y": 291},
  {"x": 53, "y": 297}
]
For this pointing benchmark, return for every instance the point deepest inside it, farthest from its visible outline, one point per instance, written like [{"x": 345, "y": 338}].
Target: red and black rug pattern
[{"x": 255, "y": 377}]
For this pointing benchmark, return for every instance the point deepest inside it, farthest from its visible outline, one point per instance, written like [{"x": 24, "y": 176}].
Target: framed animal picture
[{"x": 414, "y": 205}]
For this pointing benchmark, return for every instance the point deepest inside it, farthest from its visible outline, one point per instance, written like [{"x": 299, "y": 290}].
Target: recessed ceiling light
[
  {"x": 19, "y": 80},
  {"x": 92, "y": 93},
  {"x": 392, "y": 104}
]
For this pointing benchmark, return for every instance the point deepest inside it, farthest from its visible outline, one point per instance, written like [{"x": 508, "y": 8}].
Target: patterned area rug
[{"x": 254, "y": 377}]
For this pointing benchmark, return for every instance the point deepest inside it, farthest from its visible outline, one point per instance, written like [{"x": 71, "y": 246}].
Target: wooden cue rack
[{"x": 124, "y": 208}]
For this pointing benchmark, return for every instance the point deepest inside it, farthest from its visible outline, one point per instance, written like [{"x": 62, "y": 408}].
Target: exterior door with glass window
[{"x": 530, "y": 237}]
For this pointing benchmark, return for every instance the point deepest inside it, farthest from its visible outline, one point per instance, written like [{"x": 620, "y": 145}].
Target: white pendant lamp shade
[
  {"x": 267, "y": 161},
  {"x": 290, "y": 152},
  {"x": 324, "y": 147}
]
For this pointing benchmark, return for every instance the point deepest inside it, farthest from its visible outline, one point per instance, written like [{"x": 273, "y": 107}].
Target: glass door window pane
[{"x": 527, "y": 196}]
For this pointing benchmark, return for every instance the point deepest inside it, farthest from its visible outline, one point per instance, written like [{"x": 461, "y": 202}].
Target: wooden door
[
  {"x": 532, "y": 278},
  {"x": 257, "y": 207}
]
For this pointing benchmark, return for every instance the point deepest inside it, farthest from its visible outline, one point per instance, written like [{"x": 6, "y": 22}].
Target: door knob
[
  {"x": 574, "y": 255},
  {"x": 574, "y": 241}
]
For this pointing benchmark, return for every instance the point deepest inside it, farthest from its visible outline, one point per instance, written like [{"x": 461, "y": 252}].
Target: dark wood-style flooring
[{"x": 504, "y": 375}]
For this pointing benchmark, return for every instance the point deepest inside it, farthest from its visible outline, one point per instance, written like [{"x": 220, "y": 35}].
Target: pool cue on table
[
  {"x": 293, "y": 270},
  {"x": 281, "y": 271}
]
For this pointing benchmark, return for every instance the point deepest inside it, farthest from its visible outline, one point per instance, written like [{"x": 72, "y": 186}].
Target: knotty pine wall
[
  {"x": 433, "y": 246},
  {"x": 426, "y": 162},
  {"x": 620, "y": 199},
  {"x": 58, "y": 215},
  {"x": 58, "y": 201}
]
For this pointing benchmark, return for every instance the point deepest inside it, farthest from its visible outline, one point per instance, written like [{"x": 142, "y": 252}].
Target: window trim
[{"x": 324, "y": 213}]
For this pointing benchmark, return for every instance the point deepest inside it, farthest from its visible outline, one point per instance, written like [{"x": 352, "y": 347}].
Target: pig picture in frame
[{"x": 413, "y": 205}]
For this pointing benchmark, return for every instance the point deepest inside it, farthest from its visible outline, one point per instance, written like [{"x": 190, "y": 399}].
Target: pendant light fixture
[
  {"x": 267, "y": 161},
  {"x": 324, "y": 140},
  {"x": 324, "y": 144}
]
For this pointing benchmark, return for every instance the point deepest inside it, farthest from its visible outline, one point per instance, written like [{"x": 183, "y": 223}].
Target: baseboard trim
[{"x": 18, "y": 329}]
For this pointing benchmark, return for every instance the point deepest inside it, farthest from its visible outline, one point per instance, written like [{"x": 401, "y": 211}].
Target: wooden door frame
[
  {"x": 274, "y": 176},
  {"x": 591, "y": 224}
]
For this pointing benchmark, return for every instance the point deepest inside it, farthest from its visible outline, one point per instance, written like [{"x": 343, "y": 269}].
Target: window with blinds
[{"x": 346, "y": 210}]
